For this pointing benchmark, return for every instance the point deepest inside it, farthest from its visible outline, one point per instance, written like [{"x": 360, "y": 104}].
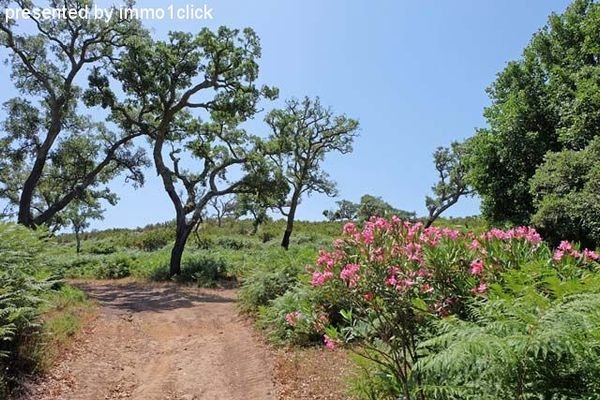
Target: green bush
[
  {"x": 234, "y": 243},
  {"x": 203, "y": 270},
  {"x": 565, "y": 190},
  {"x": 103, "y": 247},
  {"x": 76, "y": 266},
  {"x": 114, "y": 268},
  {"x": 20, "y": 299},
  {"x": 537, "y": 337},
  {"x": 263, "y": 285},
  {"x": 203, "y": 242},
  {"x": 450, "y": 315},
  {"x": 154, "y": 240},
  {"x": 307, "y": 327}
]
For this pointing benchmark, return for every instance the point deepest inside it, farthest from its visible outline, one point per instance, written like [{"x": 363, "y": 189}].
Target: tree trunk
[
  {"x": 24, "y": 216},
  {"x": 285, "y": 242},
  {"x": 78, "y": 240},
  {"x": 181, "y": 236},
  {"x": 429, "y": 222}
]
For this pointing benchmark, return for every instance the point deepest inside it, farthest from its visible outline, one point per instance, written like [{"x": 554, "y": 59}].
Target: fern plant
[
  {"x": 20, "y": 290},
  {"x": 536, "y": 337}
]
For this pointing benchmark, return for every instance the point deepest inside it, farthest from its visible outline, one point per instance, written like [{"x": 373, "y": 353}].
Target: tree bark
[
  {"x": 78, "y": 240},
  {"x": 24, "y": 216},
  {"x": 181, "y": 236},
  {"x": 285, "y": 242}
]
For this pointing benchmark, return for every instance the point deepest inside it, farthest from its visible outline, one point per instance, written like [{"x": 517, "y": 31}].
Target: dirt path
[{"x": 162, "y": 343}]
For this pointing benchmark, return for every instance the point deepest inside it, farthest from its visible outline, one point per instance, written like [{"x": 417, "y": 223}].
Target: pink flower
[
  {"x": 590, "y": 255},
  {"x": 405, "y": 284},
  {"x": 320, "y": 278},
  {"x": 350, "y": 274},
  {"x": 382, "y": 224},
  {"x": 378, "y": 255},
  {"x": 325, "y": 259},
  {"x": 558, "y": 255},
  {"x": 476, "y": 267},
  {"x": 339, "y": 243},
  {"x": 424, "y": 273},
  {"x": 565, "y": 246},
  {"x": 474, "y": 245},
  {"x": 321, "y": 322},
  {"x": 481, "y": 289},
  {"x": 368, "y": 296},
  {"x": 293, "y": 318},
  {"x": 367, "y": 236},
  {"x": 349, "y": 228},
  {"x": 391, "y": 279},
  {"x": 413, "y": 251},
  {"x": 450, "y": 233},
  {"x": 329, "y": 343}
]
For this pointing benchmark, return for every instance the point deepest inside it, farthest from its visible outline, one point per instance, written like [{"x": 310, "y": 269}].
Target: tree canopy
[
  {"x": 52, "y": 152},
  {"x": 305, "y": 132},
  {"x": 546, "y": 101}
]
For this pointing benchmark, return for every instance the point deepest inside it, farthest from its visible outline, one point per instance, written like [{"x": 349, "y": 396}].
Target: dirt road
[{"x": 162, "y": 342}]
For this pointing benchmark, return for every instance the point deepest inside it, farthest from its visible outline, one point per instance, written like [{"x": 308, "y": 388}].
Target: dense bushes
[
  {"x": 21, "y": 290},
  {"x": 565, "y": 189},
  {"x": 411, "y": 299}
]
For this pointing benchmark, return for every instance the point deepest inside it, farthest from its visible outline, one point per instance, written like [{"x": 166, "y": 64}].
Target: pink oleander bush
[{"x": 384, "y": 285}]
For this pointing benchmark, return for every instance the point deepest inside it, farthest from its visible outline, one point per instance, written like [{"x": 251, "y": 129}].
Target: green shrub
[
  {"x": 291, "y": 317},
  {"x": 20, "y": 299},
  {"x": 234, "y": 243},
  {"x": 262, "y": 286},
  {"x": 114, "y": 268},
  {"x": 154, "y": 240},
  {"x": 203, "y": 242},
  {"x": 565, "y": 190},
  {"x": 76, "y": 266},
  {"x": 399, "y": 281},
  {"x": 103, "y": 247},
  {"x": 537, "y": 338},
  {"x": 203, "y": 270},
  {"x": 200, "y": 269}
]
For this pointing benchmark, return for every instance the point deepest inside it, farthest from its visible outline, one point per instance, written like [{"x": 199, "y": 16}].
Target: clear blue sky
[{"x": 413, "y": 72}]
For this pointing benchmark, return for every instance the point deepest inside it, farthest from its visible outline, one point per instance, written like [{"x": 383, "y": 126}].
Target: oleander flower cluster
[{"x": 404, "y": 270}]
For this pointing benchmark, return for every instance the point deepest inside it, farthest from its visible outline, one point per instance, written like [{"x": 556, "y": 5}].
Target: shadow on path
[{"x": 138, "y": 297}]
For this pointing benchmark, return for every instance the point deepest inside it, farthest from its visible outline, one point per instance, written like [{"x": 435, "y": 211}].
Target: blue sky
[{"x": 413, "y": 73}]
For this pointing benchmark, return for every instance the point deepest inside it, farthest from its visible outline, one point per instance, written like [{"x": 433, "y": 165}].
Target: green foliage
[
  {"x": 52, "y": 153},
  {"x": 304, "y": 132},
  {"x": 565, "y": 189},
  {"x": 115, "y": 267},
  {"x": 298, "y": 300},
  {"x": 451, "y": 185},
  {"x": 537, "y": 336},
  {"x": 153, "y": 240},
  {"x": 263, "y": 285},
  {"x": 346, "y": 211},
  {"x": 546, "y": 101},
  {"x": 372, "y": 206},
  {"x": 21, "y": 293}
]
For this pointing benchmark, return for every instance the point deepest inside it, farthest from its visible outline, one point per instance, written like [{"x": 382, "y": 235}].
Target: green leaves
[
  {"x": 20, "y": 291},
  {"x": 306, "y": 131},
  {"x": 452, "y": 184},
  {"x": 545, "y": 102},
  {"x": 566, "y": 195}
]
